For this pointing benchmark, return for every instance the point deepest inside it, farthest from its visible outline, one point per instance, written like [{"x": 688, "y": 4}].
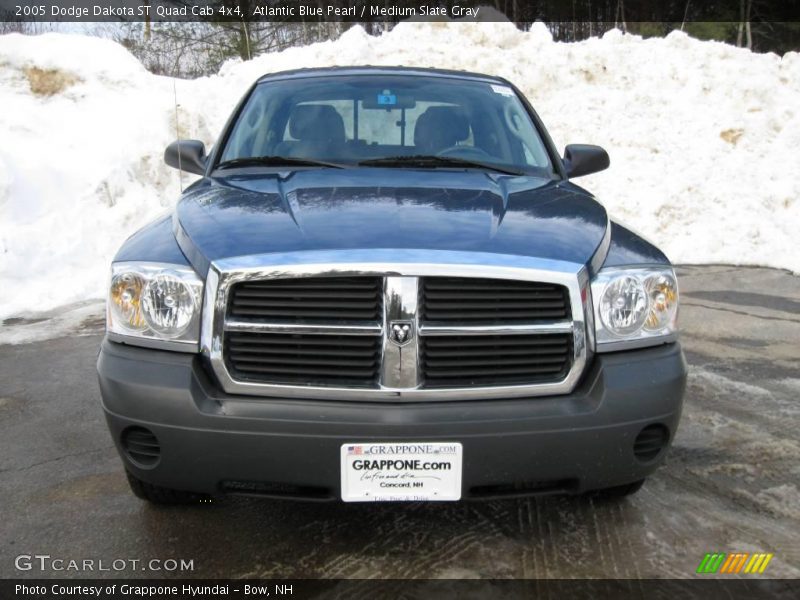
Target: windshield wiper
[
  {"x": 433, "y": 161},
  {"x": 275, "y": 161}
]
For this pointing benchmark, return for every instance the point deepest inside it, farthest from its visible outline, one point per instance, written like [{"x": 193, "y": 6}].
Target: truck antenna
[{"x": 177, "y": 134}]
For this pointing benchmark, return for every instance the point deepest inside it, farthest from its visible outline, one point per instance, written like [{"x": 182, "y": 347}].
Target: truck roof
[{"x": 380, "y": 70}]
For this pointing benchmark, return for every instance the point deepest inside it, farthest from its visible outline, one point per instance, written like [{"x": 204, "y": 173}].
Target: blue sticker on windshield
[{"x": 387, "y": 99}]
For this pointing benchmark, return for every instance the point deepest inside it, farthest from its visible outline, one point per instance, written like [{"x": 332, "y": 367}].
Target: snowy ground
[{"x": 703, "y": 139}]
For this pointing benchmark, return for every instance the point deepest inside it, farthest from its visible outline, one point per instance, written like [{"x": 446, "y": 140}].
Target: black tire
[
  {"x": 161, "y": 495},
  {"x": 620, "y": 491}
]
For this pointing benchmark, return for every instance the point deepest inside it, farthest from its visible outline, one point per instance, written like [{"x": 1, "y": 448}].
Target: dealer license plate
[{"x": 401, "y": 471}]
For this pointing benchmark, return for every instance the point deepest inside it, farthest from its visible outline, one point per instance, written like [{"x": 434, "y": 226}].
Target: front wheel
[{"x": 161, "y": 495}]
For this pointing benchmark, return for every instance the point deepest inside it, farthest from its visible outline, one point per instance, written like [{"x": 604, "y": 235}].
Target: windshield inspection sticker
[
  {"x": 502, "y": 89},
  {"x": 387, "y": 99}
]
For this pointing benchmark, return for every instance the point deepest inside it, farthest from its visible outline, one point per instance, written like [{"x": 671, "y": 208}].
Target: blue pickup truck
[{"x": 385, "y": 287}]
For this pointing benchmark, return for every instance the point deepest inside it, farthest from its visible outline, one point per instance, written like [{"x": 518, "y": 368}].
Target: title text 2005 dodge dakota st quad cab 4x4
[{"x": 385, "y": 287}]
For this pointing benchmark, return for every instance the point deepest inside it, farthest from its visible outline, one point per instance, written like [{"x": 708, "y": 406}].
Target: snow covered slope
[{"x": 703, "y": 138}]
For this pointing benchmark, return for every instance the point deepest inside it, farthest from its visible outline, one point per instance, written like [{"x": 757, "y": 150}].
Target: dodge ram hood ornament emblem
[{"x": 401, "y": 332}]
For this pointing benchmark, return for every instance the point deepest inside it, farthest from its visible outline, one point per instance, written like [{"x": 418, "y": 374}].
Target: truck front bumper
[{"x": 212, "y": 442}]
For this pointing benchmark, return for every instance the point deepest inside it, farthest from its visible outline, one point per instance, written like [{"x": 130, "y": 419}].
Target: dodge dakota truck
[{"x": 384, "y": 286}]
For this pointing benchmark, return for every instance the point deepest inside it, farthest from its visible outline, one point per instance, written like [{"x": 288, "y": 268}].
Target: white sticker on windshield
[{"x": 502, "y": 89}]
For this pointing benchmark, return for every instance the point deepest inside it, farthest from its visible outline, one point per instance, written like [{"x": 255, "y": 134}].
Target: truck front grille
[
  {"x": 464, "y": 361},
  {"x": 285, "y": 334},
  {"x": 396, "y": 337},
  {"x": 306, "y": 359},
  {"x": 319, "y": 299},
  {"x": 473, "y": 300}
]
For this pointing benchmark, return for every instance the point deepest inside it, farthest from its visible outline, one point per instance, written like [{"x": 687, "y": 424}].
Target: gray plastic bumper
[{"x": 212, "y": 442}]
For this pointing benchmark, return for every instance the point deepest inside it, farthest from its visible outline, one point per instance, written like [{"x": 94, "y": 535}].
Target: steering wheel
[{"x": 466, "y": 152}]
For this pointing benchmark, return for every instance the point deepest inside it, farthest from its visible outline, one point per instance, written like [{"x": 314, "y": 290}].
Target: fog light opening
[
  {"x": 650, "y": 442},
  {"x": 141, "y": 447}
]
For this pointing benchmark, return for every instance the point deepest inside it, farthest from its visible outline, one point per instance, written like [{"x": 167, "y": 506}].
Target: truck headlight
[
  {"x": 125, "y": 300},
  {"x": 169, "y": 304},
  {"x": 634, "y": 307},
  {"x": 155, "y": 304}
]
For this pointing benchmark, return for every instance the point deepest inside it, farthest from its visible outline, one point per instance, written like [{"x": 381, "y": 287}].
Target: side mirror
[
  {"x": 583, "y": 159},
  {"x": 189, "y": 155}
]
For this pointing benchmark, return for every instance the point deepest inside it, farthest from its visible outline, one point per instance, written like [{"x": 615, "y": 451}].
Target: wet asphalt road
[{"x": 730, "y": 482}]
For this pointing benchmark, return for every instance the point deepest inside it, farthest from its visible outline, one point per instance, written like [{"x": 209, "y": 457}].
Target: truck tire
[{"x": 161, "y": 495}]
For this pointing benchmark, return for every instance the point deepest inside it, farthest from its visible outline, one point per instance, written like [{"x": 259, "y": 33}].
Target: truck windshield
[{"x": 387, "y": 120}]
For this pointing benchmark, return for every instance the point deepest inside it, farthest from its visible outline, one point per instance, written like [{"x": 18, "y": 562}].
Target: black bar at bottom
[{"x": 374, "y": 589}]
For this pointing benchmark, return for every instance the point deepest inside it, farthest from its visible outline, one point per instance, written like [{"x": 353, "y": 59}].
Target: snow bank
[{"x": 703, "y": 139}]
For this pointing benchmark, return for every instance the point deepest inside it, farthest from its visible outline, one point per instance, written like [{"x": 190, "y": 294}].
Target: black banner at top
[{"x": 519, "y": 11}]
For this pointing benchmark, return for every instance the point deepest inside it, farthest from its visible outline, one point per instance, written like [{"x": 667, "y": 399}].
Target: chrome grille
[{"x": 323, "y": 325}]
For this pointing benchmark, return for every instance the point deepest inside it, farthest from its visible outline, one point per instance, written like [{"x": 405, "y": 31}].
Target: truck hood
[{"x": 376, "y": 208}]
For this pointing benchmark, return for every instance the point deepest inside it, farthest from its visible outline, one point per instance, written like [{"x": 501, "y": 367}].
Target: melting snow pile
[{"x": 703, "y": 139}]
